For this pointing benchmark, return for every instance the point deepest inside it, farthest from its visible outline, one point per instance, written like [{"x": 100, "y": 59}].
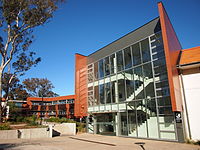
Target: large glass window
[
  {"x": 141, "y": 118},
  {"x": 148, "y": 80},
  {"x": 127, "y": 58},
  {"x": 145, "y": 50},
  {"x": 139, "y": 83},
  {"x": 96, "y": 95},
  {"x": 123, "y": 125},
  {"x": 136, "y": 54},
  {"x": 107, "y": 93},
  {"x": 105, "y": 124},
  {"x": 96, "y": 71},
  {"x": 112, "y": 64},
  {"x": 101, "y": 94},
  {"x": 113, "y": 85},
  {"x": 129, "y": 85},
  {"x": 132, "y": 121},
  {"x": 121, "y": 87},
  {"x": 107, "y": 66},
  {"x": 120, "y": 62},
  {"x": 90, "y": 74},
  {"x": 152, "y": 120},
  {"x": 101, "y": 69}
]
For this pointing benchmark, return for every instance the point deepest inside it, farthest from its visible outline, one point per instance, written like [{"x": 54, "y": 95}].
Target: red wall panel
[
  {"x": 51, "y": 107},
  {"x": 80, "y": 107}
]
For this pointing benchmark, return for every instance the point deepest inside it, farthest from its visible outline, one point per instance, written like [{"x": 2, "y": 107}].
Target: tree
[
  {"x": 12, "y": 89},
  {"x": 39, "y": 87},
  {"x": 18, "y": 18}
]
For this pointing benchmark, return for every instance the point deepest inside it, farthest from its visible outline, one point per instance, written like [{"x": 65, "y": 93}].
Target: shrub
[
  {"x": 52, "y": 119},
  {"x": 19, "y": 119},
  {"x": 31, "y": 120},
  {"x": 81, "y": 127},
  {"x": 5, "y": 126}
]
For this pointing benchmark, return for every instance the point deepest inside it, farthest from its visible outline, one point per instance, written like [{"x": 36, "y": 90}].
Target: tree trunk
[{"x": 1, "y": 105}]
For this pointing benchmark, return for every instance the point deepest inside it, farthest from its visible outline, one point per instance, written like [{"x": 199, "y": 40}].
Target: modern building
[
  {"x": 132, "y": 87},
  {"x": 62, "y": 106},
  {"x": 189, "y": 70}
]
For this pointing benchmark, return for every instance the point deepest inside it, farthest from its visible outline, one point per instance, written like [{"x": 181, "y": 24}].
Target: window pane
[
  {"x": 148, "y": 80},
  {"x": 107, "y": 93},
  {"x": 136, "y": 54},
  {"x": 129, "y": 85},
  {"x": 113, "y": 64},
  {"x": 162, "y": 84},
  {"x": 164, "y": 101},
  {"x": 101, "y": 94},
  {"x": 145, "y": 50},
  {"x": 113, "y": 85},
  {"x": 121, "y": 90},
  {"x": 152, "y": 120},
  {"x": 132, "y": 119},
  {"x": 101, "y": 70},
  {"x": 96, "y": 95},
  {"x": 96, "y": 71},
  {"x": 124, "y": 127},
  {"x": 139, "y": 87},
  {"x": 107, "y": 66},
  {"x": 90, "y": 96},
  {"x": 162, "y": 92},
  {"x": 165, "y": 110},
  {"x": 141, "y": 118},
  {"x": 90, "y": 74},
  {"x": 127, "y": 57},
  {"x": 120, "y": 63}
]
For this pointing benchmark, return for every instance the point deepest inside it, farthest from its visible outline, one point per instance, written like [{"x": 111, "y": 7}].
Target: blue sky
[{"x": 84, "y": 26}]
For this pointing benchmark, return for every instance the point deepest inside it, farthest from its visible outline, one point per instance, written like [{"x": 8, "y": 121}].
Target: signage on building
[{"x": 178, "y": 117}]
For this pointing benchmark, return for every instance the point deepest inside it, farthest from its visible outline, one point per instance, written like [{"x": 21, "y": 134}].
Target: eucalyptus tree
[
  {"x": 18, "y": 19},
  {"x": 39, "y": 87}
]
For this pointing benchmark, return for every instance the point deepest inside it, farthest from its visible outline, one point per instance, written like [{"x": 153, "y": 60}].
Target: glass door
[
  {"x": 132, "y": 119},
  {"x": 106, "y": 124}
]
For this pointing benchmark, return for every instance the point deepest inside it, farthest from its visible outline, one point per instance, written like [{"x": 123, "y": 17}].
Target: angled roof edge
[{"x": 124, "y": 36}]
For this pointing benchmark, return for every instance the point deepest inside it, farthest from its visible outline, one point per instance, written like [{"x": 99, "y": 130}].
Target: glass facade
[{"x": 131, "y": 92}]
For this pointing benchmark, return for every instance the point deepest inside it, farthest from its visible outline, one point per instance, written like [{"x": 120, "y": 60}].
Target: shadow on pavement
[
  {"x": 109, "y": 144},
  {"x": 6, "y": 146}
]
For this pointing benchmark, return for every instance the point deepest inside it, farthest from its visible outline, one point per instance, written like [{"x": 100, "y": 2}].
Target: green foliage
[
  {"x": 12, "y": 88},
  {"x": 14, "y": 113},
  {"x": 60, "y": 120},
  {"x": 5, "y": 126},
  {"x": 39, "y": 87},
  {"x": 18, "y": 19},
  {"x": 53, "y": 119},
  {"x": 80, "y": 127},
  {"x": 32, "y": 121},
  {"x": 19, "y": 119}
]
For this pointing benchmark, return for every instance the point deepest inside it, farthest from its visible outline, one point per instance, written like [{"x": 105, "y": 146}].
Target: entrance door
[{"x": 105, "y": 124}]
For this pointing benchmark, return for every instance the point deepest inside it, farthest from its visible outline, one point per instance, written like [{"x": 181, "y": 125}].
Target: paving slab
[{"x": 92, "y": 142}]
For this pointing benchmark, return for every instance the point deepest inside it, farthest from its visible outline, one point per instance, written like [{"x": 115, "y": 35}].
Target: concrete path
[{"x": 91, "y": 142}]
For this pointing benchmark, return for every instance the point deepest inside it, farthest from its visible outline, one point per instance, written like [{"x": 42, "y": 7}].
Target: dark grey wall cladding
[{"x": 132, "y": 37}]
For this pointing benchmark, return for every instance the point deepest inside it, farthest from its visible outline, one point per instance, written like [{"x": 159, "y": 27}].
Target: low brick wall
[
  {"x": 34, "y": 133},
  {"x": 65, "y": 128},
  {"x": 26, "y": 133},
  {"x": 8, "y": 134}
]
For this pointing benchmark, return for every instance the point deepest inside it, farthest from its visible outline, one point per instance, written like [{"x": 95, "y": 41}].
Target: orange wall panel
[{"x": 172, "y": 49}]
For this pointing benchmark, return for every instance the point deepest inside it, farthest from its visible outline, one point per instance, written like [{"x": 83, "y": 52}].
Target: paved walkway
[{"x": 92, "y": 142}]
